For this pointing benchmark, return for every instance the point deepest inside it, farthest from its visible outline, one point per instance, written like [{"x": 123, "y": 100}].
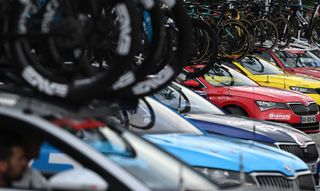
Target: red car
[
  {"x": 239, "y": 95},
  {"x": 298, "y": 62}
]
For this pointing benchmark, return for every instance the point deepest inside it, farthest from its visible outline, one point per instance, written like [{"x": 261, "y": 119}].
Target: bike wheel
[
  {"x": 283, "y": 28},
  {"x": 266, "y": 35},
  {"x": 53, "y": 41},
  {"x": 200, "y": 40},
  {"x": 234, "y": 40},
  {"x": 251, "y": 30},
  {"x": 294, "y": 27},
  {"x": 315, "y": 32},
  {"x": 152, "y": 83},
  {"x": 210, "y": 56}
]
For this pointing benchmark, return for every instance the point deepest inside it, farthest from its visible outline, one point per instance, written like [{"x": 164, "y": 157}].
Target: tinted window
[
  {"x": 166, "y": 120},
  {"x": 294, "y": 60},
  {"x": 258, "y": 66},
  {"x": 223, "y": 76},
  {"x": 185, "y": 101}
]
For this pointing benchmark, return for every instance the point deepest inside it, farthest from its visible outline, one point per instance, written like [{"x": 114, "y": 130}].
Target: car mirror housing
[
  {"x": 78, "y": 179},
  {"x": 191, "y": 84}
]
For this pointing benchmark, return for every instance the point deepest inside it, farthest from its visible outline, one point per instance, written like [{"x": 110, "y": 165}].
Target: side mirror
[
  {"x": 78, "y": 179},
  {"x": 191, "y": 84}
]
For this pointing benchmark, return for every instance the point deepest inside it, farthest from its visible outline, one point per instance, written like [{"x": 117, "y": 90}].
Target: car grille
[
  {"x": 308, "y": 154},
  {"x": 300, "y": 109},
  {"x": 280, "y": 182},
  {"x": 306, "y": 127}
]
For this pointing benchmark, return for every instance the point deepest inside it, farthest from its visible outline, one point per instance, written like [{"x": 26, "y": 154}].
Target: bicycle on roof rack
[
  {"x": 301, "y": 27},
  {"x": 78, "y": 50}
]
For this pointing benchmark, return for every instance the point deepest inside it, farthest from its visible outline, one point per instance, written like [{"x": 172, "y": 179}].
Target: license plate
[
  {"x": 313, "y": 167},
  {"x": 308, "y": 119}
]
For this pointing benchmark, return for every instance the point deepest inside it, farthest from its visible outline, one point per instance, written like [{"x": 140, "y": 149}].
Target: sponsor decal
[
  {"x": 148, "y": 4},
  {"x": 279, "y": 116},
  {"x": 43, "y": 84},
  {"x": 169, "y": 3},
  {"x": 153, "y": 83},
  {"x": 125, "y": 29},
  {"x": 125, "y": 80},
  {"x": 223, "y": 98}
]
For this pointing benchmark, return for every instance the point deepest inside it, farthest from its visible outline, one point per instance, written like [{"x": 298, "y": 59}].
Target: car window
[
  {"x": 185, "y": 101},
  {"x": 166, "y": 121},
  {"x": 258, "y": 66},
  {"x": 223, "y": 76},
  {"x": 145, "y": 162},
  {"x": 137, "y": 157},
  {"x": 297, "y": 60},
  {"x": 316, "y": 52}
]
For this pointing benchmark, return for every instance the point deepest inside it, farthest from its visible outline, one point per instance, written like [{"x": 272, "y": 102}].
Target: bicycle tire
[
  {"x": 40, "y": 78},
  {"x": 242, "y": 49},
  {"x": 151, "y": 84},
  {"x": 201, "y": 39},
  {"x": 263, "y": 28},
  {"x": 135, "y": 73},
  {"x": 283, "y": 28},
  {"x": 315, "y": 32},
  {"x": 213, "y": 50}
]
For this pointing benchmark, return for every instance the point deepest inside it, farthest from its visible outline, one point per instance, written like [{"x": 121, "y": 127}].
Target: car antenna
[
  {"x": 254, "y": 131},
  {"x": 181, "y": 181},
  {"x": 242, "y": 174}
]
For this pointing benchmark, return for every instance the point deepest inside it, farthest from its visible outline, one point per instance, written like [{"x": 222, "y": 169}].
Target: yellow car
[{"x": 269, "y": 75}]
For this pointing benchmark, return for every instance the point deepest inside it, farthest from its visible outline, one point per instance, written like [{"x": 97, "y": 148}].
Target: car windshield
[
  {"x": 141, "y": 159},
  {"x": 185, "y": 101},
  {"x": 316, "y": 52},
  {"x": 223, "y": 76},
  {"x": 257, "y": 66},
  {"x": 166, "y": 121},
  {"x": 297, "y": 59}
]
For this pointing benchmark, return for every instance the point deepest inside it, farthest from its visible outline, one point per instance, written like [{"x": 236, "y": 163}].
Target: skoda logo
[
  {"x": 301, "y": 142},
  {"x": 287, "y": 168}
]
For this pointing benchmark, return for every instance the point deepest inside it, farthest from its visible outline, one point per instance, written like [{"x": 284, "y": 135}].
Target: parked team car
[
  {"x": 269, "y": 75},
  {"x": 210, "y": 118},
  {"x": 225, "y": 161},
  {"x": 295, "y": 61},
  {"x": 106, "y": 157},
  {"x": 238, "y": 94}
]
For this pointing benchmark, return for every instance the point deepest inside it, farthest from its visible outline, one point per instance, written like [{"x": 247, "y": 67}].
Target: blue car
[
  {"x": 224, "y": 160},
  {"x": 210, "y": 118}
]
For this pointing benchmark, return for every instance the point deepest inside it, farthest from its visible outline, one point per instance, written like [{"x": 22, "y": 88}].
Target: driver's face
[{"x": 17, "y": 163}]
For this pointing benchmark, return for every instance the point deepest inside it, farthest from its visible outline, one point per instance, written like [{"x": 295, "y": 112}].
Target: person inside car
[
  {"x": 4, "y": 153},
  {"x": 32, "y": 178},
  {"x": 15, "y": 163}
]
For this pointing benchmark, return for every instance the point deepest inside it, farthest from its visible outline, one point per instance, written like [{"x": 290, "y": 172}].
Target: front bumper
[{"x": 289, "y": 117}]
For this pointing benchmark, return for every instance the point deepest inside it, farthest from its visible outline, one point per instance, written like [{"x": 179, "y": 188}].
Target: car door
[
  {"x": 264, "y": 73},
  {"x": 85, "y": 156}
]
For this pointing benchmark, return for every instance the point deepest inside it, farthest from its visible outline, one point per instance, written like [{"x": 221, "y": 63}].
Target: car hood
[
  {"x": 245, "y": 128},
  {"x": 268, "y": 94},
  {"x": 224, "y": 153}
]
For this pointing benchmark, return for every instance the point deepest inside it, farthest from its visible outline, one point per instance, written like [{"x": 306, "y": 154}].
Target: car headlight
[
  {"x": 224, "y": 178},
  {"x": 266, "y": 105},
  {"x": 304, "y": 90}
]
